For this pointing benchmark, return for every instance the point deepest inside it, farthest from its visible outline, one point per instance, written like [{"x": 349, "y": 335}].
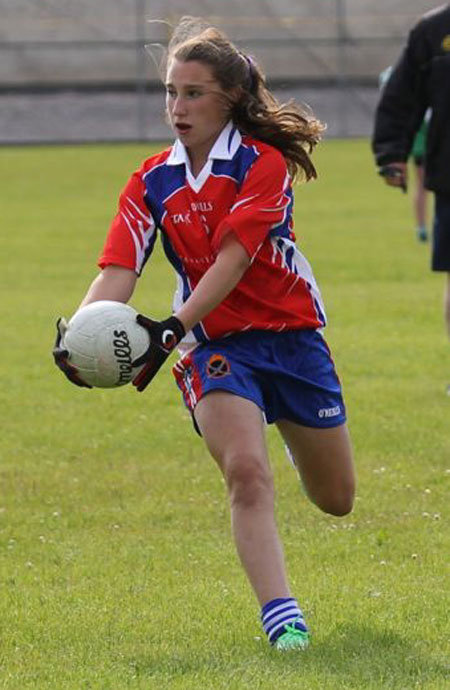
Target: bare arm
[
  {"x": 114, "y": 283},
  {"x": 219, "y": 280},
  {"x": 118, "y": 283}
]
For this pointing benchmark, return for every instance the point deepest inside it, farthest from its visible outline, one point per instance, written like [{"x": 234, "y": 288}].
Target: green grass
[{"x": 116, "y": 563}]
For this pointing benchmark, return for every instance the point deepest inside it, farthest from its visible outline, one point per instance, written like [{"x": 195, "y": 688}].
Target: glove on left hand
[
  {"x": 61, "y": 356},
  {"x": 164, "y": 337}
]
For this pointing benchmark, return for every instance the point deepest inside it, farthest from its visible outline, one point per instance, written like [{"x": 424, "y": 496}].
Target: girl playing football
[{"x": 247, "y": 314}]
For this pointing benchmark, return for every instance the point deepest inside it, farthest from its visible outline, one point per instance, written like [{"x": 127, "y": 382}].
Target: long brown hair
[{"x": 288, "y": 127}]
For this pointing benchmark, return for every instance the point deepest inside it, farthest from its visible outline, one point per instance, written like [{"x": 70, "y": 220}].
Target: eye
[
  {"x": 193, "y": 93},
  {"x": 171, "y": 92}
]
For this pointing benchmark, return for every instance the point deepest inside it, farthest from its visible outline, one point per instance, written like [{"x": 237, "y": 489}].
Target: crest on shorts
[
  {"x": 446, "y": 43},
  {"x": 217, "y": 367}
]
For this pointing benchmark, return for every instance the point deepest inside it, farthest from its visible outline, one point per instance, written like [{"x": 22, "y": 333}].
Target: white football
[{"x": 103, "y": 339}]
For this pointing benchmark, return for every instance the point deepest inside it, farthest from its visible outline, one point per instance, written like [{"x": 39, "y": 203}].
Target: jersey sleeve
[
  {"x": 262, "y": 204},
  {"x": 132, "y": 234}
]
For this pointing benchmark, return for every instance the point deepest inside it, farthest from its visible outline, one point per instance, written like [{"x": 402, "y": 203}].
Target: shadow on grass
[
  {"x": 350, "y": 657},
  {"x": 379, "y": 658}
]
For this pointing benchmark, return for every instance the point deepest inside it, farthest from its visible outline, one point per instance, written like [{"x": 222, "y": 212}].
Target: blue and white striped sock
[{"x": 280, "y": 612}]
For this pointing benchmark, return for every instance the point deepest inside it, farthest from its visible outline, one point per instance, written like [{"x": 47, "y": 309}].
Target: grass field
[{"x": 116, "y": 563}]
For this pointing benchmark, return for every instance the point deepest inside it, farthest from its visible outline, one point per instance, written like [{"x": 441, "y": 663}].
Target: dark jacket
[{"x": 420, "y": 79}]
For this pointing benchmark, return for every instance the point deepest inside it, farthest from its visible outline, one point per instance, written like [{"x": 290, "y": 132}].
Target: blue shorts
[
  {"x": 289, "y": 375},
  {"x": 440, "y": 260}
]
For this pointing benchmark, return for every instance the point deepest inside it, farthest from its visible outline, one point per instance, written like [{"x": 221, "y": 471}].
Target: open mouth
[{"x": 182, "y": 128}]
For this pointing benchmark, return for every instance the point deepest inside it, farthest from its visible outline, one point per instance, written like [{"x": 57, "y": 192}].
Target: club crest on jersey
[
  {"x": 217, "y": 367},
  {"x": 446, "y": 43}
]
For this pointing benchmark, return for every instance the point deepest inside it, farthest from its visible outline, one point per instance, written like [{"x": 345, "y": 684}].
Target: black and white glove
[
  {"x": 61, "y": 355},
  {"x": 164, "y": 337}
]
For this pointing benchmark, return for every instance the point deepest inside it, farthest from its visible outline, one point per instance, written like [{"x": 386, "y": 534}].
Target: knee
[
  {"x": 249, "y": 483},
  {"x": 341, "y": 507},
  {"x": 339, "y": 503}
]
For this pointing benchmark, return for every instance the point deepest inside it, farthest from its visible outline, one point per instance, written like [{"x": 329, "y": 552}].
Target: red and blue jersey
[{"x": 244, "y": 188}]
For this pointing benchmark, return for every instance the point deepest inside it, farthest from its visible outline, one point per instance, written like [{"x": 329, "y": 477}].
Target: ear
[
  {"x": 234, "y": 97},
  {"x": 235, "y": 94}
]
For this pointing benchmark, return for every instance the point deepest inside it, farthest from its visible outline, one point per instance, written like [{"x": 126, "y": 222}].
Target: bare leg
[
  {"x": 420, "y": 204},
  {"x": 447, "y": 304},
  {"x": 233, "y": 429},
  {"x": 324, "y": 460}
]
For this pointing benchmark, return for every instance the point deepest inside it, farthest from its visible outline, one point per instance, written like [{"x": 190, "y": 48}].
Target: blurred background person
[{"x": 421, "y": 80}]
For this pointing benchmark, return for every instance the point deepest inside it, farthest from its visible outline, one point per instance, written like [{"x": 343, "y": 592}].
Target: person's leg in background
[
  {"x": 420, "y": 202},
  {"x": 440, "y": 260},
  {"x": 447, "y": 312}
]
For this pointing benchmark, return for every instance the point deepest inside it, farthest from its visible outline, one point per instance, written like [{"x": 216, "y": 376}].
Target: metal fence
[{"x": 77, "y": 70}]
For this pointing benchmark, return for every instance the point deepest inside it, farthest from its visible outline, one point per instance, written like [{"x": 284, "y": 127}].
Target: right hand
[
  {"x": 164, "y": 337},
  {"x": 61, "y": 356},
  {"x": 395, "y": 174}
]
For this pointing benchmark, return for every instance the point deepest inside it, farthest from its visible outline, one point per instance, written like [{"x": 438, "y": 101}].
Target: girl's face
[{"x": 196, "y": 106}]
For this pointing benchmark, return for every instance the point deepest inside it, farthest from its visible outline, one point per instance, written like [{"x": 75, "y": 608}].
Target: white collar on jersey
[{"x": 224, "y": 148}]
